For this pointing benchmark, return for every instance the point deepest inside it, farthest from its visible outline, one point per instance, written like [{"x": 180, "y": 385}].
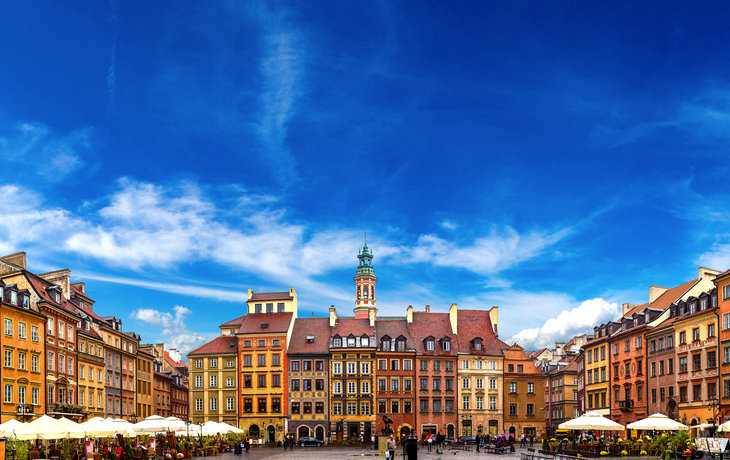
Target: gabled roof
[
  {"x": 264, "y": 296},
  {"x": 304, "y": 327},
  {"x": 234, "y": 322},
  {"x": 275, "y": 323},
  {"x": 40, "y": 285},
  {"x": 171, "y": 362},
  {"x": 219, "y": 346},
  {"x": 394, "y": 329},
  {"x": 436, "y": 325},
  {"x": 352, "y": 326},
  {"x": 477, "y": 323}
]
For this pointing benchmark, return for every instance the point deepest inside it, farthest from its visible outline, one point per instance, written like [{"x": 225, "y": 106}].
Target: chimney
[
  {"x": 629, "y": 306},
  {"x": 494, "y": 318},
  {"x": 372, "y": 314},
  {"x": 312, "y": 315},
  {"x": 409, "y": 314},
  {"x": 707, "y": 274},
  {"x": 453, "y": 319},
  {"x": 16, "y": 259},
  {"x": 333, "y": 316},
  {"x": 80, "y": 286},
  {"x": 250, "y": 294},
  {"x": 654, "y": 293},
  {"x": 428, "y": 308}
]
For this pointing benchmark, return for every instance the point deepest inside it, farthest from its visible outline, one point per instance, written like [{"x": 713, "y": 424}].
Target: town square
[{"x": 281, "y": 229}]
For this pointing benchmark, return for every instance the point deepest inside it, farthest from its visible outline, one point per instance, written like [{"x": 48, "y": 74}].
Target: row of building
[
  {"x": 670, "y": 355},
  {"x": 61, "y": 358},
  {"x": 336, "y": 378}
]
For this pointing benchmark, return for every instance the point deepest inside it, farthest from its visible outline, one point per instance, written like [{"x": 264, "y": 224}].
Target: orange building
[
  {"x": 23, "y": 348},
  {"x": 524, "y": 394}
]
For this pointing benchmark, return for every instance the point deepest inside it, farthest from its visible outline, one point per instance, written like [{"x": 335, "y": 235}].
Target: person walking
[
  {"x": 390, "y": 446},
  {"x": 439, "y": 443},
  {"x": 523, "y": 440},
  {"x": 429, "y": 441}
]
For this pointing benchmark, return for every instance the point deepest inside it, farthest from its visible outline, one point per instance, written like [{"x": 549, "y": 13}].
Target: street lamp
[
  {"x": 24, "y": 409},
  {"x": 187, "y": 425},
  {"x": 711, "y": 405},
  {"x": 133, "y": 417}
]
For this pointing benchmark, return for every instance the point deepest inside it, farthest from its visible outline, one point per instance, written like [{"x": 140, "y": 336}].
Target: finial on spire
[{"x": 366, "y": 237}]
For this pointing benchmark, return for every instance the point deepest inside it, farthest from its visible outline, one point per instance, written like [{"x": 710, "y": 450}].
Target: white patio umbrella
[
  {"x": 591, "y": 421},
  {"x": 75, "y": 430},
  {"x": 101, "y": 427},
  {"x": 722, "y": 428},
  {"x": 158, "y": 424},
  {"x": 230, "y": 428},
  {"x": 7, "y": 428},
  {"x": 44, "y": 427},
  {"x": 124, "y": 427},
  {"x": 658, "y": 422}
]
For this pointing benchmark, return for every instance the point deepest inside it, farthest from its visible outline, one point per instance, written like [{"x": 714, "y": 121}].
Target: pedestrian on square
[
  {"x": 477, "y": 442},
  {"x": 285, "y": 441},
  {"x": 523, "y": 440},
  {"x": 390, "y": 446},
  {"x": 532, "y": 439},
  {"x": 439, "y": 443},
  {"x": 429, "y": 440}
]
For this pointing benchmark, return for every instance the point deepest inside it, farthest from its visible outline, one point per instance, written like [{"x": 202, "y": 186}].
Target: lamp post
[
  {"x": 711, "y": 405},
  {"x": 24, "y": 409},
  {"x": 133, "y": 417},
  {"x": 187, "y": 425}
]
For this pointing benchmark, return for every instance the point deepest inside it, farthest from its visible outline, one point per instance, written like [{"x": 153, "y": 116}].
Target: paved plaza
[{"x": 269, "y": 453}]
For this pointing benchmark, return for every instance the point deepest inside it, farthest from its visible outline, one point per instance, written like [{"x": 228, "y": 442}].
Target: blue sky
[{"x": 553, "y": 159}]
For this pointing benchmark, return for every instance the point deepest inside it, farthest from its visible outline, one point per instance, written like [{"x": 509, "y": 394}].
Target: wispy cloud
[
  {"x": 33, "y": 146},
  {"x": 282, "y": 66},
  {"x": 172, "y": 328}
]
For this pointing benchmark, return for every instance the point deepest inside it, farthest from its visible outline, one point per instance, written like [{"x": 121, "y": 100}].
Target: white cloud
[
  {"x": 718, "y": 257},
  {"x": 500, "y": 250},
  {"x": 52, "y": 157},
  {"x": 173, "y": 330},
  {"x": 569, "y": 323}
]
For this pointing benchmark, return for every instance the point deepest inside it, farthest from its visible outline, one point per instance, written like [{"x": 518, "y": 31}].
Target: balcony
[{"x": 626, "y": 406}]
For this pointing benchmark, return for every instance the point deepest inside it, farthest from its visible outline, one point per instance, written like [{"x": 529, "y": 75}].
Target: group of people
[{"x": 288, "y": 441}]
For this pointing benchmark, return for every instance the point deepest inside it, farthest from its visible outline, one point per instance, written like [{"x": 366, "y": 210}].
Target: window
[
  {"x": 337, "y": 408},
  {"x": 337, "y": 387},
  {"x": 229, "y": 382},
  {"x": 711, "y": 330},
  {"x": 437, "y": 384},
  {"x": 337, "y": 368},
  {"x": 8, "y": 358},
  {"x": 295, "y": 408},
  {"x": 480, "y": 384},
  {"x": 697, "y": 362},
  {"x": 726, "y": 319},
  {"x": 407, "y": 385},
  {"x": 258, "y": 308},
  {"x": 492, "y": 384},
  {"x": 492, "y": 403},
  {"x": 394, "y": 385},
  {"x": 446, "y": 346},
  {"x": 34, "y": 363},
  {"x": 276, "y": 405},
  {"x": 214, "y": 381},
  {"x": 280, "y": 307},
  {"x": 275, "y": 360},
  {"x": 637, "y": 342},
  {"x": 229, "y": 363},
  {"x": 295, "y": 366},
  {"x": 513, "y": 409},
  {"x": 269, "y": 308},
  {"x": 365, "y": 408},
  {"x": 34, "y": 333},
  {"x": 465, "y": 383},
  {"x": 682, "y": 338},
  {"x": 352, "y": 408},
  {"x": 449, "y": 384},
  {"x": 198, "y": 381},
  {"x": 683, "y": 364},
  {"x": 352, "y": 368},
  {"x": 307, "y": 385},
  {"x": 519, "y": 368},
  {"x": 261, "y": 360},
  {"x": 381, "y": 365},
  {"x": 21, "y": 360},
  {"x": 365, "y": 387},
  {"x": 351, "y": 342},
  {"x": 248, "y": 405},
  {"x": 530, "y": 388},
  {"x": 198, "y": 363},
  {"x": 229, "y": 404},
  {"x": 530, "y": 409},
  {"x": 429, "y": 345},
  {"x": 213, "y": 362},
  {"x": 8, "y": 327},
  {"x": 262, "y": 404},
  {"x": 424, "y": 365},
  {"x": 424, "y": 384},
  {"x": 670, "y": 366},
  {"x": 696, "y": 334},
  {"x": 513, "y": 387},
  {"x": 424, "y": 405},
  {"x": 337, "y": 342},
  {"x": 364, "y": 368},
  {"x": 394, "y": 364},
  {"x": 262, "y": 381}
]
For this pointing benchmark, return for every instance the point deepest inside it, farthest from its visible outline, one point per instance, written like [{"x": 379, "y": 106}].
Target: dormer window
[
  {"x": 13, "y": 297},
  {"x": 429, "y": 345},
  {"x": 351, "y": 341},
  {"x": 692, "y": 307},
  {"x": 446, "y": 345},
  {"x": 365, "y": 341},
  {"x": 337, "y": 342},
  {"x": 310, "y": 339},
  {"x": 385, "y": 345},
  {"x": 636, "y": 321},
  {"x": 400, "y": 345},
  {"x": 25, "y": 301}
]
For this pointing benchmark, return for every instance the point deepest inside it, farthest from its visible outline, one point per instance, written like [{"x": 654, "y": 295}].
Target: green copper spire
[{"x": 366, "y": 260}]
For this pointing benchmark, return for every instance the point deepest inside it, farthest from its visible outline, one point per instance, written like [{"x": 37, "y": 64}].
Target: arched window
[{"x": 365, "y": 292}]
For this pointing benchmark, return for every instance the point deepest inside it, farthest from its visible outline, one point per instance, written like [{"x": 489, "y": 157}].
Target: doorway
[
  {"x": 319, "y": 433},
  {"x": 303, "y": 431},
  {"x": 271, "y": 431},
  {"x": 253, "y": 432}
]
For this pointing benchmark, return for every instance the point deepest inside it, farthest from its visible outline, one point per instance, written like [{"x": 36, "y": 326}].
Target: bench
[{"x": 459, "y": 446}]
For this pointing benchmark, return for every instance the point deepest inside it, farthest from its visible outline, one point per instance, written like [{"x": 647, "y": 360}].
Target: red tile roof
[
  {"x": 234, "y": 322},
  {"x": 355, "y": 326},
  {"x": 277, "y": 323},
  {"x": 218, "y": 346},
  {"x": 263, "y": 296},
  {"x": 303, "y": 327},
  {"x": 79, "y": 293},
  {"x": 40, "y": 285},
  {"x": 394, "y": 329},
  {"x": 477, "y": 323},
  {"x": 171, "y": 362},
  {"x": 436, "y": 325}
]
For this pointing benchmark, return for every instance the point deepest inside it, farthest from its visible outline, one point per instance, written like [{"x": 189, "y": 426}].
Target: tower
[{"x": 365, "y": 284}]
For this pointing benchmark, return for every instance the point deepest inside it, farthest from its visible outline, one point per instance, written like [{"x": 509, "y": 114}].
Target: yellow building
[
  {"x": 145, "y": 396},
  {"x": 352, "y": 375},
  {"x": 597, "y": 366},
  {"x": 480, "y": 371},
  {"x": 263, "y": 338},
  {"x": 91, "y": 370},
  {"x": 213, "y": 377},
  {"x": 23, "y": 353},
  {"x": 695, "y": 338}
]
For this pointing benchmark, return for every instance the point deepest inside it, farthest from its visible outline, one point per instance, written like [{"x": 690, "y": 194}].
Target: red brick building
[
  {"x": 395, "y": 370},
  {"x": 436, "y": 351}
]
